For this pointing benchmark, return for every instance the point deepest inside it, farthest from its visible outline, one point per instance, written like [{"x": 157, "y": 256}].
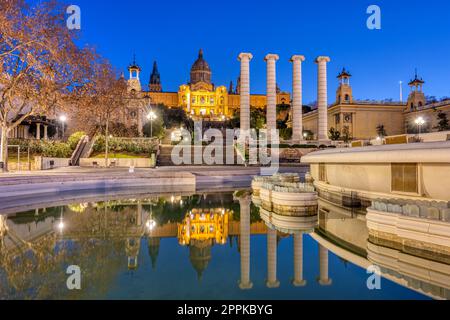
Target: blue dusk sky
[{"x": 414, "y": 34}]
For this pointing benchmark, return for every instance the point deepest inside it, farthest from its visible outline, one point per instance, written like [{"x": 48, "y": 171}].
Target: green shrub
[
  {"x": 55, "y": 149},
  {"x": 286, "y": 133},
  {"x": 75, "y": 138},
  {"x": 120, "y": 145}
]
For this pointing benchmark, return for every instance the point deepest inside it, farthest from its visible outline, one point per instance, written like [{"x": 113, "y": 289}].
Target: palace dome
[{"x": 200, "y": 71}]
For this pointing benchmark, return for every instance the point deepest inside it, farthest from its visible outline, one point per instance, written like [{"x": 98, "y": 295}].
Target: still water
[{"x": 206, "y": 246}]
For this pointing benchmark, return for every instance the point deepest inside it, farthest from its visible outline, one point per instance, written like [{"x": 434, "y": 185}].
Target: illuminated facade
[
  {"x": 200, "y": 98},
  {"x": 204, "y": 225}
]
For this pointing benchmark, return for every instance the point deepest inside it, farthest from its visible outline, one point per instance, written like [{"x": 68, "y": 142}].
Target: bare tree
[
  {"x": 41, "y": 67},
  {"x": 105, "y": 100}
]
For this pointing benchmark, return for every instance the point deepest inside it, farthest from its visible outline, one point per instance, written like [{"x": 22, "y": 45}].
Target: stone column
[
  {"x": 298, "y": 261},
  {"x": 245, "y": 59},
  {"x": 324, "y": 279},
  {"x": 271, "y": 60},
  {"x": 272, "y": 281},
  {"x": 45, "y": 132},
  {"x": 245, "y": 282},
  {"x": 139, "y": 214},
  {"x": 322, "y": 99},
  {"x": 38, "y": 131},
  {"x": 297, "y": 99}
]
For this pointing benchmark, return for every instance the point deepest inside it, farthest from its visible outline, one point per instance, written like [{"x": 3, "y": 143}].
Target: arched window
[
  {"x": 347, "y": 98},
  {"x": 420, "y": 104}
]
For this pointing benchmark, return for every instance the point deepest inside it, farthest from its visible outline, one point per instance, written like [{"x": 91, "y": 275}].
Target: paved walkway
[{"x": 197, "y": 170}]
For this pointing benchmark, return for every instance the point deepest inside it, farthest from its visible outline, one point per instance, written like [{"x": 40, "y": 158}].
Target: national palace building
[{"x": 200, "y": 98}]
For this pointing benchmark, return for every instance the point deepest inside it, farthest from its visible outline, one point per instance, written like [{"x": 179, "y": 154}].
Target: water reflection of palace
[{"x": 107, "y": 237}]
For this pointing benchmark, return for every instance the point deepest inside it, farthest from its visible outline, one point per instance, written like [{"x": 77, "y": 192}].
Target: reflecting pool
[{"x": 203, "y": 246}]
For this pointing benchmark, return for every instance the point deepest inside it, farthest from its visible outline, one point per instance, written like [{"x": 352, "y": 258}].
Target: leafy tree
[
  {"x": 286, "y": 133},
  {"x": 381, "y": 131},
  {"x": 334, "y": 134},
  {"x": 157, "y": 127},
  {"x": 346, "y": 136},
  {"x": 442, "y": 121}
]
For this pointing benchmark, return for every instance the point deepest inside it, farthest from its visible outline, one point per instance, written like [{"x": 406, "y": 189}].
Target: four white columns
[{"x": 297, "y": 95}]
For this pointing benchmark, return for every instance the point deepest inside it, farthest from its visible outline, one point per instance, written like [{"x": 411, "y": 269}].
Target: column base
[
  {"x": 245, "y": 286},
  {"x": 273, "y": 285},
  {"x": 325, "y": 141},
  {"x": 325, "y": 283},
  {"x": 300, "y": 283}
]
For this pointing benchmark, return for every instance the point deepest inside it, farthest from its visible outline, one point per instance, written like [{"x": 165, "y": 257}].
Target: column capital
[
  {"x": 297, "y": 58},
  {"x": 245, "y": 56},
  {"x": 272, "y": 56},
  {"x": 322, "y": 59}
]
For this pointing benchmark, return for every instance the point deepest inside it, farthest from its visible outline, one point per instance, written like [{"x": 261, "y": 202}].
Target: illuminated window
[
  {"x": 322, "y": 172},
  {"x": 404, "y": 177}
]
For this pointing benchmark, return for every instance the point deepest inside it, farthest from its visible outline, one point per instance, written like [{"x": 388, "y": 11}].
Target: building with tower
[
  {"x": 416, "y": 99},
  {"x": 200, "y": 98},
  {"x": 359, "y": 118}
]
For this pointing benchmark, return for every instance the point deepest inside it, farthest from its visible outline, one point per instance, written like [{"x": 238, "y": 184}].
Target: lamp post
[
  {"x": 420, "y": 122},
  {"x": 63, "y": 120},
  {"x": 151, "y": 116}
]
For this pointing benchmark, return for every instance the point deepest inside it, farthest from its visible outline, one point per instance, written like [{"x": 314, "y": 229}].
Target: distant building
[
  {"x": 361, "y": 118},
  {"x": 200, "y": 98}
]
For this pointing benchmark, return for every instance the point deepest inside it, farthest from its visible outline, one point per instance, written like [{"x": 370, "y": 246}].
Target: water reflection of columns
[
  {"x": 272, "y": 281},
  {"x": 298, "y": 261},
  {"x": 245, "y": 282},
  {"x": 324, "y": 279},
  {"x": 139, "y": 214}
]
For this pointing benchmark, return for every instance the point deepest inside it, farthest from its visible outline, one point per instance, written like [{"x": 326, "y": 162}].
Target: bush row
[
  {"x": 118, "y": 145},
  {"x": 49, "y": 148}
]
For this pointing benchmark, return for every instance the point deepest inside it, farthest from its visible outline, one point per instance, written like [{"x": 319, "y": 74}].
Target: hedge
[{"x": 119, "y": 145}]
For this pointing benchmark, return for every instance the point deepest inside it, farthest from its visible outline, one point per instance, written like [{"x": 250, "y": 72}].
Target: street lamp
[
  {"x": 151, "y": 116},
  {"x": 305, "y": 136},
  {"x": 420, "y": 122},
  {"x": 63, "y": 120}
]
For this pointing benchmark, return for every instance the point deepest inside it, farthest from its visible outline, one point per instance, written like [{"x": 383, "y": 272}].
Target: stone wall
[{"x": 124, "y": 163}]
